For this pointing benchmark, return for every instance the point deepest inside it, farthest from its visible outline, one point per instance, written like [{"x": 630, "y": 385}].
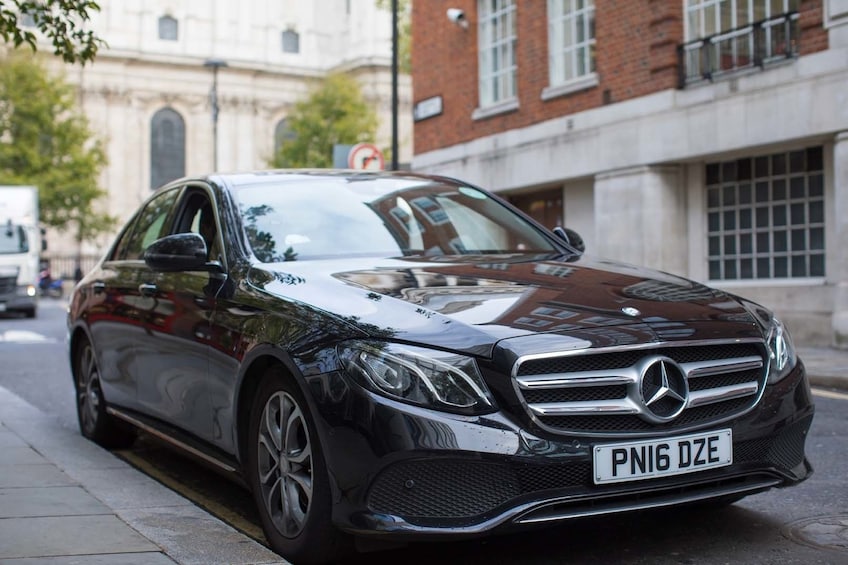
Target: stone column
[
  {"x": 640, "y": 217},
  {"x": 840, "y": 250}
]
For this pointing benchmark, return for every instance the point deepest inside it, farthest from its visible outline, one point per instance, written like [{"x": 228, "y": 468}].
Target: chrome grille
[{"x": 599, "y": 391}]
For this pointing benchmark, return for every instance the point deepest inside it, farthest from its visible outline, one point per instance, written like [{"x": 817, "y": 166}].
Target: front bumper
[
  {"x": 18, "y": 301},
  {"x": 415, "y": 472}
]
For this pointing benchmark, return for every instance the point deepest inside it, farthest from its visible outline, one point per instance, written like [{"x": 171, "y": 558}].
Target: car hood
[{"x": 470, "y": 303}]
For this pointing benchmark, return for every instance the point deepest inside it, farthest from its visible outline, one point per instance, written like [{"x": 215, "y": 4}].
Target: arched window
[
  {"x": 168, "y": 28},
  {"x": 167, "y": 147},
  {"x": 291, "y": 41},
  {"x": 282, "y": 133}
]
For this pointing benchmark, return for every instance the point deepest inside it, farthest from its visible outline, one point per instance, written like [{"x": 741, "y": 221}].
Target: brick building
[{"x": 707, "y": 138}]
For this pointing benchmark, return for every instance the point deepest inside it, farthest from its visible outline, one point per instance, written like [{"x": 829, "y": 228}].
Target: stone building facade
[
  {"x": 148, "y": 94},
  {"x": 708, "y": 138}
]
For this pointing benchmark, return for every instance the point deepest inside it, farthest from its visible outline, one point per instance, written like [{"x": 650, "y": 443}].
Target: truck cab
[{"x": 20, "y": 245}]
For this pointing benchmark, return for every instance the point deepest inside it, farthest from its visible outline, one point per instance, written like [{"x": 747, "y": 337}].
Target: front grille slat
[
  {"x": 598, "y": 392},
  {"x": 721, "y": 366},
  {"x": 722, "y": 394},
  {"x": 623, "y": 406}
]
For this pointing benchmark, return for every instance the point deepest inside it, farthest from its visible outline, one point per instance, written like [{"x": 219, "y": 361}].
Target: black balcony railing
[{"x": 751, "y": 46}]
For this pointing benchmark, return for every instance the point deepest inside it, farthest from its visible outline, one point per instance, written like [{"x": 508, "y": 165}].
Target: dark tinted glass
[
  {"x": 150, "y": 225},
  {"x": 314, "y": 218}
]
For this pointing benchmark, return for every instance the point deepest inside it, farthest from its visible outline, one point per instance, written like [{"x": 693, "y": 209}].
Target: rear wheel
[
  {"x": 288, "y": 475},
  {"x": 94, "y": 422}
]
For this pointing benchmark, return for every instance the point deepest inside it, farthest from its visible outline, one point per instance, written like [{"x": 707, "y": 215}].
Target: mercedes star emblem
[{"x": 663, "y": 390}]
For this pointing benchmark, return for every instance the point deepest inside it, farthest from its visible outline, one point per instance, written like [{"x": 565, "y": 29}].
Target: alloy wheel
[
  {"x": 284, "y": 464},
  {"x": 88, "y": 390}
]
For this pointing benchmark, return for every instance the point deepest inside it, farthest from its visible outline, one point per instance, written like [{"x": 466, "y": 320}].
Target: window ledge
[
  {"x": 573, "y": 85},
  {"x": 782, "y": 282},
  {"x": 510, "y": 105}
]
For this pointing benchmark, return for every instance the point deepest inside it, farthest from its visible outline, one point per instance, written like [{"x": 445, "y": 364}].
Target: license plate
[{"x": 635, "y": 460}]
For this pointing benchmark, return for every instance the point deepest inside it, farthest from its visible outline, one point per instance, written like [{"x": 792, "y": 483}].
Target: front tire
[
  {"x": 288, "y": 476},
  {"x": 94, "y": 422}
]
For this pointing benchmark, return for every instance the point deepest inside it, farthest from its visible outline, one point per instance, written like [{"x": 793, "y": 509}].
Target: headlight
[
  {"x": 782, "y": 357},
  {"x": 426, "y": 377}
]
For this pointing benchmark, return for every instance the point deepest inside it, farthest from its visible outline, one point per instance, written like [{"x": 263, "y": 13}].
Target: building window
[
  {"x": 498, "y": 67},
  {"x": 27, "y": 20},
  {"x": 765, "y": 216},
  {"x": 571, "y": 39},
  {"x": 291, "y": 41},
  {"x": 167, "y": 147},
  {"x": 168, "y": 28},
  {"x": 282, "y": 134},
  {"x": 727, "y": 35}
]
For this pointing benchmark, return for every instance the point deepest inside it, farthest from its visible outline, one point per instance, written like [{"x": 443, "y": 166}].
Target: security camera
[{"x": 457, "y": 16}]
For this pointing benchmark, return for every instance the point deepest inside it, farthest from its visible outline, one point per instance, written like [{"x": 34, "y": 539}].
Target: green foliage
[
  {"x": 60, "y": 21},
  {"x": 45, "y": 141},
  {"x": 335, "y": 113},
  {"x": 404, "y": 32}
]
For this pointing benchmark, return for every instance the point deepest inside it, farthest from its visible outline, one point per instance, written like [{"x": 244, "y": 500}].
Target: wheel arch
[
  {"x": 255, "y": 366},
  {"x": 77, "y": 336}
]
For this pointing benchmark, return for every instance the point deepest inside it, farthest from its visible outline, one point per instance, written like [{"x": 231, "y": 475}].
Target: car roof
[{"x": 277, "y": 176}]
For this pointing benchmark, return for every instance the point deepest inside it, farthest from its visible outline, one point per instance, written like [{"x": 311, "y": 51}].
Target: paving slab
[
  {"x": 109, "y": 559},
  {"x": 24, "y": 455},
  {"x": 69, "y": 535},
  {"x": 9, "y": 438},
  {"x": 40, "y": 475},
  {"x": 49, "y": 501}
]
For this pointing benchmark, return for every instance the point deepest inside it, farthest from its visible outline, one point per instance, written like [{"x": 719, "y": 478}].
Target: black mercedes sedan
[{"x": 409, "y": 357}]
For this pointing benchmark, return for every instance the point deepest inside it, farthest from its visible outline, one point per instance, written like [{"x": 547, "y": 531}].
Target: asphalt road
[{"x": 804, "y": 525}]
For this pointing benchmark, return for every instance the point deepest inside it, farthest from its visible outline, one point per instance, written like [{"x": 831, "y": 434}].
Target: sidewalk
[{"x": 64, "y": 501}]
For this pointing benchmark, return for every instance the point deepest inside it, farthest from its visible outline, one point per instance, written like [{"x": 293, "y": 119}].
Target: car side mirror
[
  {"x": 177, "y": 252},
  {"x": 571, "y": 237}
]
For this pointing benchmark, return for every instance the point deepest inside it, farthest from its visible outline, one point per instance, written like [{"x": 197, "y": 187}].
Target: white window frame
[
  {"x": 498, "y": 67},
  {"x": 705, "y": 17},
  {"x": 571, "y": 47}
]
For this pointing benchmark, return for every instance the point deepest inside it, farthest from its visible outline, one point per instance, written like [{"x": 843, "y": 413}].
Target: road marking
[
  {"x": 24, "y": 336},
  {"x": 830, "y": 394}
]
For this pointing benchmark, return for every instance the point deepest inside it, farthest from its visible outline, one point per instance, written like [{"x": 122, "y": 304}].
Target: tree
[
  {"x": 60, "y": 21},
  {"x": 334, "y": 113},
  {"x": 404, "y": 32},
  {"x": 46, "y": 141}
]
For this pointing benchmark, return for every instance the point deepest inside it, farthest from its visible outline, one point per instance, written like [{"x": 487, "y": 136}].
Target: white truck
[{"x": 20, "y": 246}]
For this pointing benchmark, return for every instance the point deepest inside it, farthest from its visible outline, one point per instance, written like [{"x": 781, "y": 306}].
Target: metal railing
[
  {"x": 751, "y": 46},
  {"x": 65, "y": 266}
]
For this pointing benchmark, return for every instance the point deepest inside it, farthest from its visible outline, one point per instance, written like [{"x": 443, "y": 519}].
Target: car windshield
[
  {"x": 13, "y": 239},
  {"x": 315, "y": 218}
]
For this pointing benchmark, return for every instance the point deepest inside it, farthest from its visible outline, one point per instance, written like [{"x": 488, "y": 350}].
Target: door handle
[
  {"x": 147, "y": 289},
  {"x": 98, "y": 287}
]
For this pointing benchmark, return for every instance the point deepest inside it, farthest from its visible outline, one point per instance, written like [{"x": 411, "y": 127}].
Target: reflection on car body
[{"x": 405, "y": 356}]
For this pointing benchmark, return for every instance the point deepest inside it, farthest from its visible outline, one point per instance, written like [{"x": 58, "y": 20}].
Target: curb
[{"x": 829, "y": 381}]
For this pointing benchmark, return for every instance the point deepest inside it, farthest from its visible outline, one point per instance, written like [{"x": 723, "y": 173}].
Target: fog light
[{"x": 30, "y": 290}]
